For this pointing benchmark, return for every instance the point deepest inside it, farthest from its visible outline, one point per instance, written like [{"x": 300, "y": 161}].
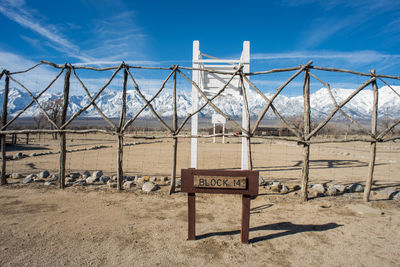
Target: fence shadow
[
  {"x": 19, "y": 147},
  {"x": 319, "y": 165},
  {"x": 288, "y": 228}
]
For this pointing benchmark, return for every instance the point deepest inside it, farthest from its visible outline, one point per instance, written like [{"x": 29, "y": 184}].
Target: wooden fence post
[
  {"x": 247, "y": 114},
  {"x": 120, "y": 173},
  {"x": 374, "y": 119},
  {"x": 63, "y": 141},
  {"x": 306, "y": 147},
  {"x": 175, "y": 139},
  {"x": 3, "y": 136}
]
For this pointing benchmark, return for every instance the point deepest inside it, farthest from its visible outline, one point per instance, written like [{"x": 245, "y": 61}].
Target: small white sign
[{"x": 218, "y": 118}]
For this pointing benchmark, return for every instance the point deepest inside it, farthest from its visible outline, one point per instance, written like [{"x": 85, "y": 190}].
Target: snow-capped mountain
[{"x": 110, "y": 103}]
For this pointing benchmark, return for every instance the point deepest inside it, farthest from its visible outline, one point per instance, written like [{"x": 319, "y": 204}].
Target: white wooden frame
[{"x": 198, "y": 63}]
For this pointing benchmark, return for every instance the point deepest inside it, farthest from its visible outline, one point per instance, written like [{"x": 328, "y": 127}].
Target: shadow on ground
[{"x": 287, "y": 228}]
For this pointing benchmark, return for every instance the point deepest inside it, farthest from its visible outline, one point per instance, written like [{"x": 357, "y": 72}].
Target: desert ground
[{"x": 95, "y": 225}]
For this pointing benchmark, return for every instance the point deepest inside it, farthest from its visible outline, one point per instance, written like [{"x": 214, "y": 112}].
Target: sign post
[{"x": 219, "y": 182}]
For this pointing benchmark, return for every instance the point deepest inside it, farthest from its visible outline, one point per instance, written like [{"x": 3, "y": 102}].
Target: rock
[
  {"x": 396, "y": 195},
  {"x": 387, "y": 193},
  {"x": 54, "y": 177},
  {"x": 340, "y": 188},
  {"x": 31, "y": 176},
  {"x": 331, "y": 191},
  {"x": 28, "y": 179},
  {"x": 178, "y": 182},
  {"x": 97, "y": 174},
  {"x": 84, "y": 176},
  {"x": 9, "y": 157},
  {"x": 128, "y": 185},
  {"x": 114, "y": 178},
  {"x": 284, "y": 189},
  {"x": 44, "y": 174},
  {"x": 261, "y": 181},
  {"x": 19, "y": 155},
  {"x": 319, "y": 188},
  {"x": 356, "y": 188},
  {"x": 79, "y": 182},
  {"x": 153, "y": 179},
  {"x": 127, "y": 178},
  {"x": 16, "y": 175},
  {"x": 137, "y": 177},
  {"x": 69, "y": 180},
  {"x": 33, "y": 154},
  {"x": 313, "y": 193},
  {"x": 104, "y": 179},
  {"x": 164, "y": 179},
  {"x": 87, "y": 173},
  {"x": 90, "y": 180},
  {"x": 140, "y": 181},
  {"x": 276, "y": 186},
  {"x": 75, "y": 175},
  {"x": 48, "y": 183},
  {"x": 38, "y": 180},
  {"x": 111, "y": 184},
  {"x": 295, "y": 187},
  {"x": 146, "y": 178},
  {"x": 149, "y": 187}
]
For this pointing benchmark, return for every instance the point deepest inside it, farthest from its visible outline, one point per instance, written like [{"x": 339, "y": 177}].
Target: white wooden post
[
  {"x": 195, "y": 104},
  {"x": 245, "y": 61},
  {"x": 223, "y": 133},
  {"x": 210, "y": 87},
  {"x": 214, "y": 133}
]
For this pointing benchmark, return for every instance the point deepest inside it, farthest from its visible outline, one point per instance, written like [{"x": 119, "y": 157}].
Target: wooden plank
[
  {"x": 175, "y": 140},
  {"x": 333, "y": 112},
  {"x": 120, "y": 154},
  {"x": 244, "y": 233},
  {"x": 191, "y": 216},
  {"x": 3, "y": 179},
  {"x": 189, "y": 174},
  {"x": 63, "y": 141},
  {"x": 306, "y": 147},
  {"x": 374, "y": 125},
  {"x": 32, "y": 102},
  {"x": 278, "y": 91},
  {"x": 204, "y": 181}
]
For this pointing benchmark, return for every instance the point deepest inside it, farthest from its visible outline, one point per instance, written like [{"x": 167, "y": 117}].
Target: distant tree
[
  {"x": 296, "y": 122},
  {"x": 53, "y": 108},
  {"x": 39, "y": 121}
]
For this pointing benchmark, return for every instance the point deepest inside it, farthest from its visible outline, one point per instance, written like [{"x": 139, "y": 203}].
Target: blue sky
[{"x": 358, "y": 35}]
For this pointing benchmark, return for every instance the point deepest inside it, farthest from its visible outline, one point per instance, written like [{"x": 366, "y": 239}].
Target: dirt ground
[
  {"x": 96, "y": 226},
  {"x": 88, "y": 226},
  {"x": 341, "y": 163}
]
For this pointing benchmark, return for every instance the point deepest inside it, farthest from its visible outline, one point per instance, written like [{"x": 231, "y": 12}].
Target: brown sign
[
  {"x": 219, "y": 182},
  {"x": 204, "y": 181}
]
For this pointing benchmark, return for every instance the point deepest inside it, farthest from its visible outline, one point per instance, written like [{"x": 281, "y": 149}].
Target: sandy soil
[
  {"x": 96, "y": 226},
  {"x": 89, "y": 226}
]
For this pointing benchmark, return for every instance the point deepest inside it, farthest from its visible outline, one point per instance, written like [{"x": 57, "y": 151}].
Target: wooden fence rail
[{"x": 306, "y": 137}]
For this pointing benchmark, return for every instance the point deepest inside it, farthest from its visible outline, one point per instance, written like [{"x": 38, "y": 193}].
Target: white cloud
[
  {"x": 362, "y": 57},
  {"x": 17, "y": 12},
  {"x": 117, "y": 63},
  {"x": 116, "y": 37}
]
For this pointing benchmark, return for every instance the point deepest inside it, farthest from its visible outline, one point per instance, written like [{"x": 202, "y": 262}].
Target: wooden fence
[{"x": 304, "y": 137}]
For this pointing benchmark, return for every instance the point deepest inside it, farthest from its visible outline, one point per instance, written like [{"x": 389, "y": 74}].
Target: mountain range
[{"x": 360, "y": 107}]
